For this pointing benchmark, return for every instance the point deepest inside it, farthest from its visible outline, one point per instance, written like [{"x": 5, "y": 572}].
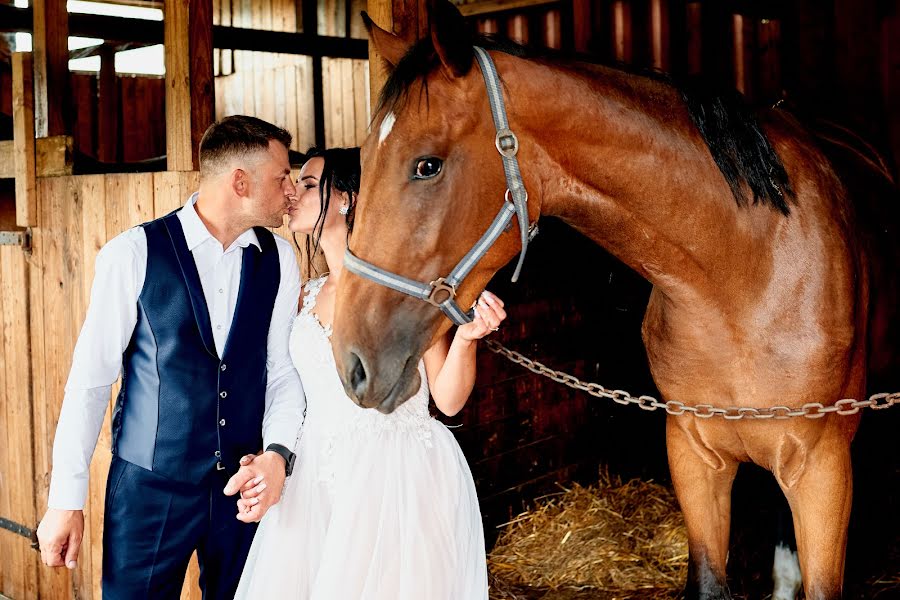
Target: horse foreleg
[
  {"x": 820, "y": 495},
  {"x": 703, "y": 479}
]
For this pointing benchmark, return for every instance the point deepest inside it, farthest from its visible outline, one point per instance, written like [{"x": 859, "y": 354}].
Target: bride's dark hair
[{"x": 341, "y": 172}]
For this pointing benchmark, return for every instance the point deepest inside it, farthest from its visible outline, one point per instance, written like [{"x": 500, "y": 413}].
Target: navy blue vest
[{"x": 183, "y": 411}]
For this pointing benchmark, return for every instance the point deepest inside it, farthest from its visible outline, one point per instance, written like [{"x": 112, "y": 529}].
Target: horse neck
[{"x": 618, "y": 159}]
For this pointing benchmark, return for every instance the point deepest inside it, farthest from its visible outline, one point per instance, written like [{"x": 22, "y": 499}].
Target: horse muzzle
[{"x": 379, "y": 382}]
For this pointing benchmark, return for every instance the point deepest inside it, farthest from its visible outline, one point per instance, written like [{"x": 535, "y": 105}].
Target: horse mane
[{"x": 739, "y": 146}]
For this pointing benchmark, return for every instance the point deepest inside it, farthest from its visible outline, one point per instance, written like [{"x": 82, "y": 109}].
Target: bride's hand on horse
[
  {"x": 259, "y": 481},
  {"x": 489, "y": 314}
]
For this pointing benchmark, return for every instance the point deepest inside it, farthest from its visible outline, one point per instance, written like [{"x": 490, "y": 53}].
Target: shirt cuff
[
  {"x": 68, "y": 495},
  {"x": 286, "y": 436}
]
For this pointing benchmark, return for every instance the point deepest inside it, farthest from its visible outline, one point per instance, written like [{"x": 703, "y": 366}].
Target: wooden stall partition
[
  {"x": 274, "y": 87},
  {"x": 61, "y": 280},
  {"x": 19, "y": 565},
  {"x": 23, "y": 137},
  {"x": 347, "y": 101}
]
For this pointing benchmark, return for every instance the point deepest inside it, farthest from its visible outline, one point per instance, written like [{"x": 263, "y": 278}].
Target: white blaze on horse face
[{"x": 386, "y": 125}]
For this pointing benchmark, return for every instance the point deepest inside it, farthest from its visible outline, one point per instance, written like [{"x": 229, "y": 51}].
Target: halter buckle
[
  {"x": 507, "y": 143},
  {"x": 441, "y": 291}
]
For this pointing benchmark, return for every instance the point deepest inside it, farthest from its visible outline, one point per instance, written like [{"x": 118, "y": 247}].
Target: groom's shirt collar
[{"x": 196, "y": 233}]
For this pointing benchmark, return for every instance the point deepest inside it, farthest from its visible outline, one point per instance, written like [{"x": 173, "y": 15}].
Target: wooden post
[
  {"x": 51, "y": 68},
  {"x": 743, "y": 50},
  {"x": 621, "y": 36},
  {"x": 406, "y": 18},
  {"x": 23, "y": 140},
  {"x": 190, "y": 99},
  {"x": 108, "y": 109},
  {"x": 694, "y": 38},
  {"x": 552, "y": 26},
  {"x": 659, "y": 35},
  {"x": 517, "y": 29}
]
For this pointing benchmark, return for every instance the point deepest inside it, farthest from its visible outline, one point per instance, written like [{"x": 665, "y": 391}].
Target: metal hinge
[
  {"x": 16, "y": 238},
  {"x": 14, "y": 527}
]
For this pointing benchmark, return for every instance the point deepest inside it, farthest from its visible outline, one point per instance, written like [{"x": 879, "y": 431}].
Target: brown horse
[{"x": 759, "y": 302}]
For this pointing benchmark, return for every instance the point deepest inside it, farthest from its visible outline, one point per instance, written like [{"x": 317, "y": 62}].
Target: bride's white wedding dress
[{"x": 378, "y": 507}]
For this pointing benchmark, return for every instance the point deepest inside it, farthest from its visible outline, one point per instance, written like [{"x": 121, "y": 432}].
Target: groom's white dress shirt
[{"x": 111, "y": 318}]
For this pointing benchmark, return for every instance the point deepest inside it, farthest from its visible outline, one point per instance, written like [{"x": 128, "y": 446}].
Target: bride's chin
[{"x": 297, "y": 228}]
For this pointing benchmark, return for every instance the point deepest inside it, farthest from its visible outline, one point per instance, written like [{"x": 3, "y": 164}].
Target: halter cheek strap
[{"x": 442, "y": 291}]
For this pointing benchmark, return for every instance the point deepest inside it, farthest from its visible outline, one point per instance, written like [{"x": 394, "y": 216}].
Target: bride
[{"x": 379, "y": 506}]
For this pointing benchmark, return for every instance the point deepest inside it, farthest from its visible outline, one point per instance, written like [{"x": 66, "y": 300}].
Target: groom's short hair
[{"x": 234, "y": 137}]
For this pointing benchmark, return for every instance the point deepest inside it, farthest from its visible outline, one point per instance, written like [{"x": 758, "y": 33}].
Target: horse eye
[{"x": 426, "y": 168}]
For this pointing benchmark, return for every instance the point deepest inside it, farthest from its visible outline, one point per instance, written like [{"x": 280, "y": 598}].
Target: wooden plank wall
[
  {"x": 19, "y": 565},
  {"x": 274, "y": 87},
  {"x": 346, "y": 94},
  {"x": 279, "y": 87}
]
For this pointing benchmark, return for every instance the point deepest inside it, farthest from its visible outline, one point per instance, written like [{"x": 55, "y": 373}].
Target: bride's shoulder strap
[{"x": 310, "y": 291}]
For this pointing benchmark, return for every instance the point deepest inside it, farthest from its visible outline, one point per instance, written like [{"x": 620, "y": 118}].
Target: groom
[{"x": 194, "y": 309}]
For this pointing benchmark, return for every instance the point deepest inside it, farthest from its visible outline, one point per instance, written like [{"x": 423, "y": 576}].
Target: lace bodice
[{"x": 329, "y": 411}]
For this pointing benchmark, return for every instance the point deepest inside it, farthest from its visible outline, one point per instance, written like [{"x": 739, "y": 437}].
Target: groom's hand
[
  {"x": 59, "y": 537},
  {"x": 259, "y": 481}
]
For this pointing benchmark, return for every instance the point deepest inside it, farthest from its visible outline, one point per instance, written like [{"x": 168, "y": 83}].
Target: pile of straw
[{"x": 609, "y": 537}]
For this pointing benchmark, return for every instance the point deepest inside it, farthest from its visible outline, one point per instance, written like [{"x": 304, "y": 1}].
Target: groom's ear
[{"x": 240, "y": 182}]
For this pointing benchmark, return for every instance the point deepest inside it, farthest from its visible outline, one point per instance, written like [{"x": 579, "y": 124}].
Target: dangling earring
[{"x": 344, "y": 209}]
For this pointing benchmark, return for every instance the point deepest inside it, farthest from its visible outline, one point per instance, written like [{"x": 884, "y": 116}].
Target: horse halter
[{"x": 442, "y": 291}]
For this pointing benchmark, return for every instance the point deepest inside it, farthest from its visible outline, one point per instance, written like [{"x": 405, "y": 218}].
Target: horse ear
[
  {"x": 451, "y": 37},
  {"x": 390, "y": 47}
]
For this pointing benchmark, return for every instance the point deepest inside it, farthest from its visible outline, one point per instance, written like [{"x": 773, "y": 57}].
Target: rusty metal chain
[{"x": 810, "y": 410}]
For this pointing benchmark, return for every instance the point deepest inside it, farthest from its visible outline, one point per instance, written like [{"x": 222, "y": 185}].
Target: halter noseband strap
[{"x": 442, "y": 291}]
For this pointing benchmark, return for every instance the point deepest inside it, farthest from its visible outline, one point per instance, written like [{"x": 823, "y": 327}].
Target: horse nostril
[{"x": 358, "y": 380}]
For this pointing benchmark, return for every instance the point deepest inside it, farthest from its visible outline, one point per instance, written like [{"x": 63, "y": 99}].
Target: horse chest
[{"x": 704, "y": 358}]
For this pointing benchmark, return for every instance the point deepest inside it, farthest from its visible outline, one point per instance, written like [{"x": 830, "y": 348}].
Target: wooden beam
[
  {"x": 51, "y": 67},
  {"x": 23, "y": 139},
  {"x": 53, "y": 157},
  {"x": 189, "y": 94},
  {"x": 7, "y": 159},
  {"x": 285, "y": 42},
  {"x": 99, "y": 49},
  {"x": 494, "y": 6},
  {"x": 128, "y": 32}
]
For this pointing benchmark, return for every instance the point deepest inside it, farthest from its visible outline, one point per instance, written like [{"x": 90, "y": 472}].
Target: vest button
[
  {"x": 218, "y": 454},
  {"x": 222, "y": 367},
  {"x": 222, "y": 422},
  {"x": 223, "y": 395}
]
